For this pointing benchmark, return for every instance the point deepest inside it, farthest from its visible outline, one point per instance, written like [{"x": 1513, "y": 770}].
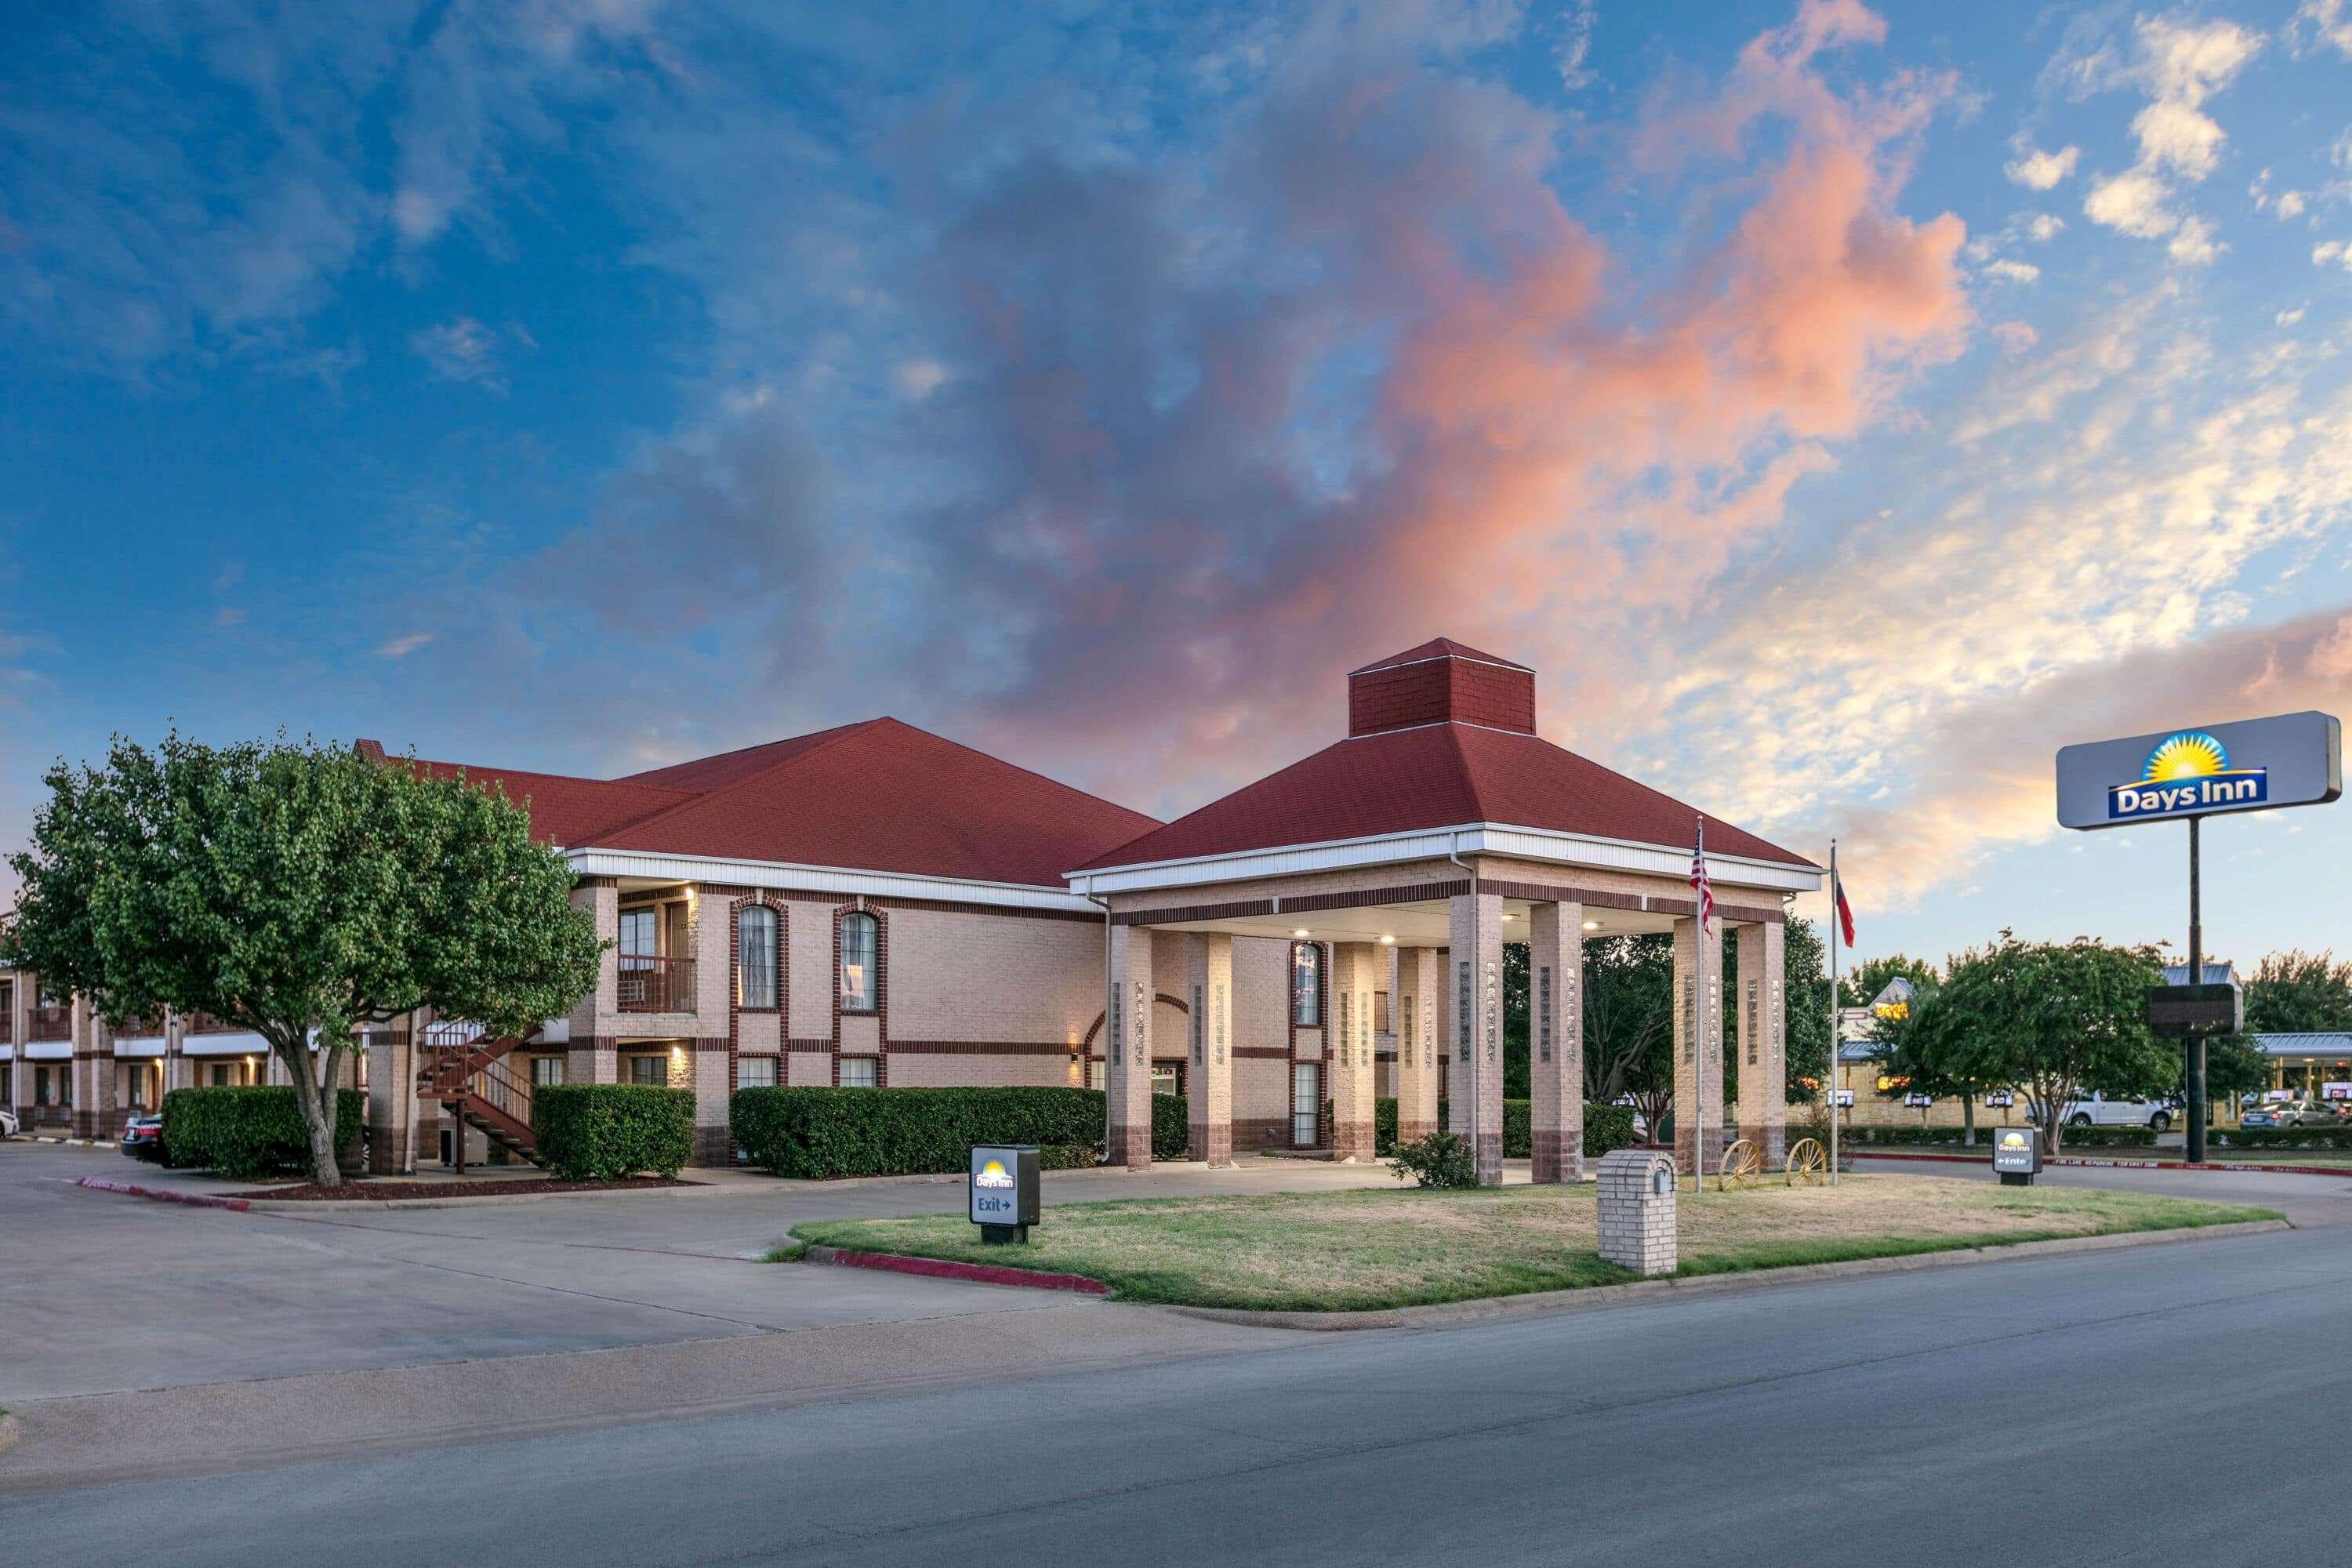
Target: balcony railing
[
  {"x": 650, "y": 985},
  {"x": 49, "y": 1021}
]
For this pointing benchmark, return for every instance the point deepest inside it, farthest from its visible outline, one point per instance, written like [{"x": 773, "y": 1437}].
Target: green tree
[
  {"x": 1805, "y": 983},
  {"x": 1870, "y": 978},
  {"x": 2299, "y": 992},
  {"x": 1629, "y": 984},
  {"x": 1902, "y": 1057},
  {"x": 290, "y": 889},
  {"x": 1518, "y": 1071},
  {"x": 2055, "y": 1019}
]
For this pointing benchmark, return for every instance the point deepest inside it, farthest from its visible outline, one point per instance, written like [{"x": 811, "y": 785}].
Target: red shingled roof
[
  {"x": 1437, "y": 775},
  {"x": 1439, "y": 647},
  {"x": 876, "y": 796}
]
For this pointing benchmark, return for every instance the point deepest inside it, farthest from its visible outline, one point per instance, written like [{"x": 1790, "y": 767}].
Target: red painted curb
[
  {"x": 1851, "y": 1153},
  {"x": 939, "y": 1268},
  {"x": 131, "y": 1189}
]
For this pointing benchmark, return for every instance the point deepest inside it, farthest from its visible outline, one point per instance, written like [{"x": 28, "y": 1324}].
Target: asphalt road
[{"x": 2105, "y": 1407}]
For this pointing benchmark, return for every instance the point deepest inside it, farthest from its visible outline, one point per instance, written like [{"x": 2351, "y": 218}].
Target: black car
[{"x": 143, "y": 1138}]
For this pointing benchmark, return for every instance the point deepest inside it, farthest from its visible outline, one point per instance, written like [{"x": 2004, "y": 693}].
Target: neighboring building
[
  {"x": 2308, "y": 1063},
  {"x": 875, "y": 905}
]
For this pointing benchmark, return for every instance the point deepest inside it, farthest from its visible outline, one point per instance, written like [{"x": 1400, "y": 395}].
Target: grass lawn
[{"x": 1357, "y": 1251}]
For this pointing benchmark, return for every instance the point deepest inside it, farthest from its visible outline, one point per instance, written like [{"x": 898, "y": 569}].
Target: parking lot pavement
[{"x": 104, "y": 1292}]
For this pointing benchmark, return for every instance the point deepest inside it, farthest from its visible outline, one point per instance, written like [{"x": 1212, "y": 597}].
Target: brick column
[
  {"x": 1356, "y": 973},
  {"x": 1555, "y": 1039},
  {"x": 92, "y": 1076},
  {"x": 391, "y": 1098},
  {"x": 1415, "y": 996},
  {"x": 1126, "y": 1048},
  {"x": 592, "y": 1058},
  {"x": 1209, "y": 1083},
  {"x": 1762, "y": 1015},
  {"x": 1475, "y": 1106},
  {"x": 1698, "y": 962}
]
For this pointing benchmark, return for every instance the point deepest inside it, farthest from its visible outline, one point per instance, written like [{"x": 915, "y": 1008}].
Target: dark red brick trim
[
  {"x": 1195, "y": 913},
  {"x": 1086, "y": 1046},
  {"x": 1371, "y": 898},
  {"x": 980, "y": 1047}
]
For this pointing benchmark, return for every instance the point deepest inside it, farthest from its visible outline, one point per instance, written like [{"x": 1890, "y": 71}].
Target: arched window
[
  {"x": 859, "y": 977},
  {"x": 1307, "y": 984},
  {"x": 755, "y": 960}
]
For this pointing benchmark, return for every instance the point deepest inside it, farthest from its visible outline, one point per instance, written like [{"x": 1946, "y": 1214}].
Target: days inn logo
[
  {"x": 2012, "y": 1140},
  {"x": 992, "y": 1175},
  {"x": 2186, "y": 773}
]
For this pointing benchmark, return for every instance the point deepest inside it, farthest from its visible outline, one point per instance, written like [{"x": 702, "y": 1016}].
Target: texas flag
[{"x": 1845, "y": 909}]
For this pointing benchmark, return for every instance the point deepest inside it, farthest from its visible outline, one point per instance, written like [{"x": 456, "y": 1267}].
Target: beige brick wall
[
  {"x": 756, "y": 1034},
  {"x": 957, "y": 975}
]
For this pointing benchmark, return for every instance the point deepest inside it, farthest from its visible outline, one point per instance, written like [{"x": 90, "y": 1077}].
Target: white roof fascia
[
  {"x": 1572, "y": 850},
  {"x": 673, "y": 867}
]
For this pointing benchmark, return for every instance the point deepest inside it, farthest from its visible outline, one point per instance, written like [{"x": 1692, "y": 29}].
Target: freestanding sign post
[
  {"x": 2017, "y": 1156},
  {"x": 2255, "y": 765},
  {"x": 1001, "y": 1191}
]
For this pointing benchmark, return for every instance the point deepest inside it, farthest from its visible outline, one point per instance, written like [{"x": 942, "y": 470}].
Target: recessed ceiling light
[
  {"x": 1511, "y": 917},
  {"x": 1593, "y": 925},
  {"x": 1389, "y": 940},
  {"x": 1300, "y": 932}
]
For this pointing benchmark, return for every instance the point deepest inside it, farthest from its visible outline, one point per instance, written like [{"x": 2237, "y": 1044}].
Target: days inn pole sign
[
  {"x": 2256, "y": 765},
  {"x": 2253, "y": 764}
]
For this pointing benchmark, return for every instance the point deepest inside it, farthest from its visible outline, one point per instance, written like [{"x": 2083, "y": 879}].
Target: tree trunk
[
  {"x": 1968, "y": 1120},
  {"x": 318, "y": 1109}
]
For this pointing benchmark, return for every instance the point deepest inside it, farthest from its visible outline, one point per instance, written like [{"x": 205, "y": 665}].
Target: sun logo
[{"x": 2189, "y": 755}]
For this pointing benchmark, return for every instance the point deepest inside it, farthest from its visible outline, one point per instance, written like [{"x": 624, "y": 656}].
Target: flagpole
[
  {"x": 1699, "y": 1018},
  {"x": 1833, "y": 924}
]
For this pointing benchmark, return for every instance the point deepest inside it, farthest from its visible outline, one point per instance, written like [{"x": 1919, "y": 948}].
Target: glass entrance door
[{"x": 1306, "y": 1103}]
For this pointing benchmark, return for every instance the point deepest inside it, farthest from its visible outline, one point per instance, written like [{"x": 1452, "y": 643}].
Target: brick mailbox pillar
[{"x": 1637, "y": 1211}]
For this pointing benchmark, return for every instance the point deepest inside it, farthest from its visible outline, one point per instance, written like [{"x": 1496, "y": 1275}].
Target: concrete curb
[
  {"x": 941, "y": 1269},
  {"x": 1593, "y": 1298},
  {"x": 132, "y": 1189},
  {"x": 2084, "y": 1162}
]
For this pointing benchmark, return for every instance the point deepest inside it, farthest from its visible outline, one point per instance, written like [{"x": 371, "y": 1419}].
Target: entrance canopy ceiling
[{"x": 1423, "y": 925}]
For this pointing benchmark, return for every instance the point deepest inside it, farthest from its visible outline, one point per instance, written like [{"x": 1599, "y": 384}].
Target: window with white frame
[
  {"x": 860, "y": 1072},
  {"x": 755, "y": 956},
  {"x": 755, "y": 1072},
  {"x": 860, "y": 944},
  {"x": 1307, "y": 984},
  {"x": 546, "y": 1072},
  {"x": 652, "y": 1070}
]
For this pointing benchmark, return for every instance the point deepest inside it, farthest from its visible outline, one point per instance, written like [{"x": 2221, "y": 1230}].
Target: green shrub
[
  {"x": 254, "y": 1131},
  {"x": 2277, "y": 1136},
  {"x": 830, "y": 1133},
  {"x": 1606, "y": 1127},
  {"x": 608, "y": 1131},
  {"x": 1440, "y": 1160}
]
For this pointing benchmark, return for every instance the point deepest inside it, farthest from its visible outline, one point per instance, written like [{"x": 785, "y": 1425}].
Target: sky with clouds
[{"x": 1841, "y": 406}]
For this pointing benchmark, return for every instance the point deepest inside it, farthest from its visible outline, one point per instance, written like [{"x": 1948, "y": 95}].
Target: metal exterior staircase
[{"x": 473, "y": 1079}]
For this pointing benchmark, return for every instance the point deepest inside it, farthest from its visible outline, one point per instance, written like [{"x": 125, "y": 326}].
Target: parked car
[
  {"x": 8, "y": 1128},
  {"x": 2301, "y": 1111},
  {"x": 2098, "y": 1111},
  {"x": 143, "y": 1138}
]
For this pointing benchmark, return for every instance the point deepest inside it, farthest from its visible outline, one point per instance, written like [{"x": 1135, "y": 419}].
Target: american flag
[{"x": 1699, "y": 883}]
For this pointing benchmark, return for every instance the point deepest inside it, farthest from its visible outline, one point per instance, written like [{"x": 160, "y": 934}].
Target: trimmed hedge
[
  {"x": 1606, "y": 1128},
  {"x": 2281, "y": 1137},
  {"x": 827, "y": 1133},
  {"x": 255, "y": 1131},
  {"x": 608, "y": 1131}
]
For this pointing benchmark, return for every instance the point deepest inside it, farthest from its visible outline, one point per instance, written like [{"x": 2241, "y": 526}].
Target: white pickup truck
[{"x": 2098, "y": 1111}]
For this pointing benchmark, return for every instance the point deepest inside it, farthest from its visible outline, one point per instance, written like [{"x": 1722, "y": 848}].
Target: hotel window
[
  {"x": 1307, "y": 984},
  {"x": 860, "y": 937},
  {"x": 638, "y": 935},
  {"x": 654, "y": 1070},
  {"x": 755, "y": 967},
  {"x": 860, "y": 1072},
  {"x": 1381, "y": 1023},
  {"x": 220, "y": 1071},
  {"x": 755, "y": 1072},
  {"x": 546, "y": 1072}
]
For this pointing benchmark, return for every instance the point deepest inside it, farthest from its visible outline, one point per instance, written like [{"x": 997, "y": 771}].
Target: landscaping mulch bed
[{"x": 378, "y": 1192}]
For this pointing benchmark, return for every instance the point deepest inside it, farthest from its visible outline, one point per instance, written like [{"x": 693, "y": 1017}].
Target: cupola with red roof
[{"x": 1441, "y": 682}]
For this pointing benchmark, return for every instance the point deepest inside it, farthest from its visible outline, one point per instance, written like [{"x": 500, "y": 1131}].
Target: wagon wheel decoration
[
  {"x": 1806, "y": 1162},
  {"x": 1743, "y": 1162}
]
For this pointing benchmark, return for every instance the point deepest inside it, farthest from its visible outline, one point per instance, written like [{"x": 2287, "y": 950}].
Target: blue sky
[{"x": 1843, "y": 408}]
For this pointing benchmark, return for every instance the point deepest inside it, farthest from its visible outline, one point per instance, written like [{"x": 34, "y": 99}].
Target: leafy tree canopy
[
  {"x": 2299, "y": 992},
  {"x": 1858, "y": 988},
  {"x": 2055, "y": 1019},
  {"x": 286, "y": 887}
]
